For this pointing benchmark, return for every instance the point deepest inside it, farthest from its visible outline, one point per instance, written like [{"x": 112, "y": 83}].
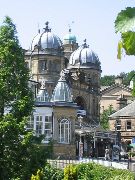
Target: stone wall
[{"x": 64, "y": 151}]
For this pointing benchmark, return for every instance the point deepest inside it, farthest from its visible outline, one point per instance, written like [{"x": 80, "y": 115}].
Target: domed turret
[
  {"x": 42, "y": 95},
  {"x": 62, "y": 92},
  {"x": 84, "y": 56},
  {"x": 46, "y": 40},
  {"x": 69, "y": 38}
]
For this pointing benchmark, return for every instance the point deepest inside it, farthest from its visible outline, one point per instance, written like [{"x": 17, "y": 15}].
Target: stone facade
[
  {"x": 64, "y": 151},
  {"x": 45, "y": 65},
  {"x": 126, "y": 134},
  {"x": 110, "y": 96},
  {"x": 123, "y": 121}
]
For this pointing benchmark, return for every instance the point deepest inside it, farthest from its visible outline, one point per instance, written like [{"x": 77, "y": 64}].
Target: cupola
[
  {"x": 84, "y": 56},
  {"x": 46, "y": 40},
  {"x": 62, "y": 92},
  {"x": 69, "y": 38}
]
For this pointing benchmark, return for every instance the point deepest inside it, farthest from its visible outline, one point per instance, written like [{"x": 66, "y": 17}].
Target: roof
[
  {"x": 69, "y": 38},
  {"x": 46, "y": 40},
  {"x": 62, "y": 92},
  {"x": 84, "y": 56},
  {"x": 56, "y": 104},
  {"x": 105, "y": 89},
  {"x": 128, "y": 111}
]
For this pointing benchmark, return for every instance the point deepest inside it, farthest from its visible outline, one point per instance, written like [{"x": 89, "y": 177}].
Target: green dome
[{"x": 69, "y": 38}]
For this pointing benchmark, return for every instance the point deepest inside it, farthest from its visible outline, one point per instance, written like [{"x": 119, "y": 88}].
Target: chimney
[
  {"x": 119, "y": 80},
  {"x": 121, "y": 102}
]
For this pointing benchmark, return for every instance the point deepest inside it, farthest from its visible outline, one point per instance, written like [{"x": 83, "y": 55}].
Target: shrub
[
  {"x": 70, "y": 172},
  {"x": 48, "y": 173}
]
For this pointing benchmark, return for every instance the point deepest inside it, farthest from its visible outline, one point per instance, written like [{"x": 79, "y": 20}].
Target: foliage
[
  {"x": 110, "y": 79},
  {"x": 125, "y": 20},
  {"x": 104, "y": 117},
  {"x": 38, "y": 176},
  {"x": 48, "y": 173},
  {"x": 125, "y": 24},
  {"x": 128, "y": 42},
  {"x": 70, "y": 172},
  {"x": 107, "y": 80},
  {"x": 83, "y": 171},
  {"x": 19, "y": 156}
]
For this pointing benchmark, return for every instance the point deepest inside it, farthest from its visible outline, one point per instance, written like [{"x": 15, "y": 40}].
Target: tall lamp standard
[
  {"x": 117, "y": 131},
  {"x": 80, "y": 119}
]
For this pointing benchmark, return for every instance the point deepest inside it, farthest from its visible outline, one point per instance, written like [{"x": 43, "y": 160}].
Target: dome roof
[
  {"x": 46, "y": 40},
  {"x": 42, "y": 96},
  {"x": 69, "y": 38},
  {"x": 84, "y": 56},
  {"x": 62, "y": 92}
]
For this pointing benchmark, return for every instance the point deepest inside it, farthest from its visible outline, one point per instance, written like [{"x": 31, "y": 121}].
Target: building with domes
[
  {"x": 48, "y": 56},
  {"x": 68, "y": 77}
]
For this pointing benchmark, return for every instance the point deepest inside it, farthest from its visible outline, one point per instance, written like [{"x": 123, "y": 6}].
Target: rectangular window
[
  {"x": 118, "y": 125},
  {"x": 27, "y": 64},
  {"x": 39, "y": 125},
  {"x": 30, "y": 124},
  {"x": 128, "y": 125},
  {"x": 42, "y": 66},
  {"x": 48, "y": 128}
]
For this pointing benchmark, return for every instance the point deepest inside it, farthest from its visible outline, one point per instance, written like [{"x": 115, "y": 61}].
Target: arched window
[{"x": 64, "y": 131}]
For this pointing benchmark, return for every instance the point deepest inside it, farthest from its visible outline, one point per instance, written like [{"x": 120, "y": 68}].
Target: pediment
[{"x": 117, "y": 91}]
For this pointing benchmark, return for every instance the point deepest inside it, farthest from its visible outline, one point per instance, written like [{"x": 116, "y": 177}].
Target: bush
[
  {"x": 92, "y": 171},
  {"x": 48, "y": 173},
  {"x": 70, "y": 172},
  {"x": 89, "y": 171}
]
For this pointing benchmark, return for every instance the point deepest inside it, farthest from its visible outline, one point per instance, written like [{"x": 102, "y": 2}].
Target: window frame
[
  {"x": 128, "y": 121},
  {"x": 63, "y": 137},
  {"x": 43, "y": 128}
]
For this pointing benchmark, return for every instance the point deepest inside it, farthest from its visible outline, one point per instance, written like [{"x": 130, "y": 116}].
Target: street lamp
[
  {"x": 117, "y": 126},
  {"x": 80, "y": 119}
]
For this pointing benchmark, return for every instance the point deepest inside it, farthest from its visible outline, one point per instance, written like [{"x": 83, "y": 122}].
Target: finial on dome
[
  {"x": 43, "y": 84},
  {"x": 62, "y": 76},
  {"x": 38, "y": 29},
  {"x": 85, "y": 44},
  {"x": 47, "y": 29}
]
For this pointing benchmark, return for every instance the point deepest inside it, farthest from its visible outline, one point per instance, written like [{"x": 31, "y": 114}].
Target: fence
[{"x": 63, "y": 163}]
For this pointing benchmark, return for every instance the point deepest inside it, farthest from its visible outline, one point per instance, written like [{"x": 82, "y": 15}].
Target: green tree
[
  {"x": 125, "y": 24},
  {"x": 18, "y": 153},
  {"x": 104, "y": 117},
  {"x": 107, "y": 80}
]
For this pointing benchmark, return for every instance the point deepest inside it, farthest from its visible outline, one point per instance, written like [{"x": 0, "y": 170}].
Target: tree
[
  {"x": 125, "y": 24},
  {"x": 104, "y": 117},
  {"x": 18, "y": 153},
  {"x": 107, "y": 80}
]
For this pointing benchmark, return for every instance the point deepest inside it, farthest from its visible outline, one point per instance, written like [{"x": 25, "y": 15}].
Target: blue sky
[{"x": 93, "y": 20}]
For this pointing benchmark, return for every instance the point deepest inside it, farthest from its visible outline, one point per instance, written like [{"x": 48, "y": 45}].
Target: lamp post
[
  {"x": 117, "y": 126},
  {"x": 80, "y": 119},
  {"x": 94, "y": 141}
]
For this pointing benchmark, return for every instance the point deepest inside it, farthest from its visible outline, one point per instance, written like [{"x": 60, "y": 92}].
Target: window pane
[
  {"x": 64, "y": 131},
  {"x": 39, "y": 125},
  {"x": 42, "y": 66},
  {"x": 48, "y": 125},
  {"x": 128, "y": 124},
  {"x": 48, "y": 128}
]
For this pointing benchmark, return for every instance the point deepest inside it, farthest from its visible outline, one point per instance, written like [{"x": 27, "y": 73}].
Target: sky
[{"x": 89, "y": 19}]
